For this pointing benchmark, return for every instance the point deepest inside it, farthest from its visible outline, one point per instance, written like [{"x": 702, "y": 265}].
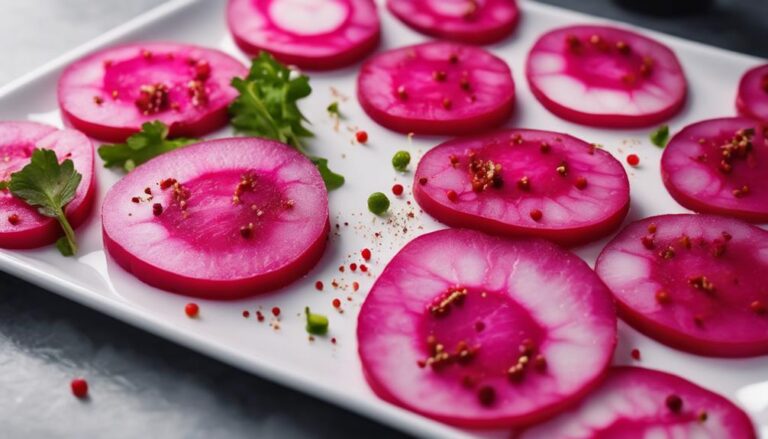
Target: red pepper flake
[
  {"x": 361, "y": 136},
  {"x": 581, "y": 183},
  {"x": 157, "y": 209},
  {"x": 276, "y": 311},
  {"x": 397, "y": 189},
  {"x": 98, "y": 100},
  {"x": 452, "y": 196},
  {"x": 153, "y": 98},
  {"x": 524, "y": 184},
  {"x": 486, "y": 395},
  {"x": 79, "y": 387},
  {"x": 14, "y": 219},
  {"x": 635, "y": 354},
  {"x": 148, "y": 191},
  {"x": 135, "y": 200},
  {"x": 166, "y": 183},
  {"x": 202, "y": 70},
  {"x": 662, "y": 297},
  {"x": 633, "y": 160},
  {"x": 363, "y": 268},
  {"x": 353, "y": 266},
  {"x": 246, "y": 313},
  {"x": 259, "y": 316},
  {"x": 536, "y": 215},
  {"x": 319, "y": 285},
  {"x": 246, "y": 231},
  {"x": 652, "y": 228},
  {"x": 648, "y": 242},
  {"x": 366, "y": 254},
  {"x": 544, "y": 147},
  {"x": 758, "y": 307},
  {"x": 192, "y": 310},
  {"x": 423, "y": 181},
  {"x": 341, "y": 267},
  {"x": 333, "y": 340},
  {"x": 674, "y": 403},
  {"x": 336, "y": 303},
  {"x": 355, "y": 286}
]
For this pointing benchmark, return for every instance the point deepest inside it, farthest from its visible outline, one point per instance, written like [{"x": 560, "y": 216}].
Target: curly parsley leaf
[
  {"x": 148, "y": 143},
  {"x": 49, "y": 186},
  {"x": 268, "y": 107},
  {"x": 660, "y": 137}
]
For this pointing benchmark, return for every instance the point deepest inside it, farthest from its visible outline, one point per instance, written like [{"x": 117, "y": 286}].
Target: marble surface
[{"x": 142, "y": 385}]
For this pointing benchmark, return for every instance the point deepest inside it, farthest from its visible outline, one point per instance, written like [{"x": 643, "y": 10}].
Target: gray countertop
[{"x": 144, "y": 386}]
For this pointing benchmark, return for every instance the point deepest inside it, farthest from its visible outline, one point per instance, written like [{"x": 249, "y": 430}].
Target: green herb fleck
[
  {"x": 139, "y": 148},
  {"x": 378, "y": 203},
  {"x": 660, "y": 137},
  {"x": 267, "y": 107},
  {"x": 317, "y": 324},
  {"x": 400, "y": 160},
  {"x": 333, "y": 110},
  {"x": 49, "y": 186},
  {"x": 332, "y": 180},
  {"x": 4, "y": 185}
]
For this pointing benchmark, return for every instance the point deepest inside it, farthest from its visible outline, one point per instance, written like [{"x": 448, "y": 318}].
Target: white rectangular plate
[{"x": 332, "y": 372}]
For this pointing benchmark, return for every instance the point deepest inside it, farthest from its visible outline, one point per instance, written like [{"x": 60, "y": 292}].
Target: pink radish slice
[
  {"x": 310, "y": 34},
  {"x": 111, "y": 93},
  {"x": 480, "y": 331},
  {"x": 604, "y": 76},
  {"x": 719, "y": 166},
  {"x": 692, "y": 282},
  {"x": 637, "y": 403},
  {"x": 752, "y": 100},
  {"x": 437, "y": 88},
  {"x": 21, "y": 226},
  {"x": 524, "y": 182},
  {"x": 467, "y": 21},
  {"x": 221, "y": 219}
]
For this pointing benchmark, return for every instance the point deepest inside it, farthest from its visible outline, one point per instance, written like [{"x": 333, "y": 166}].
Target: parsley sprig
[
  {"x": 49, "y": 186},
  {"x": 267, "y": 107},
  {"x": 148, "y": 143}
]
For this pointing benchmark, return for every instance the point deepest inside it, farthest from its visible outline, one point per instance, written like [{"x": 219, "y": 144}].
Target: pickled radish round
[
  {"x": 437, "y": 88},
  {"x": 220, "y": 219},
  {"x": 636, "y": 403},
  {"x": 21, "y": 225},
  {"x": 692, "y": 282},
  {"x": 111, "y": 93},
  {"x": 524, "y": 182},
  {"x": 480, "y": 331},
  {"x": 752, "y": 98},
  {"x": 310, "y": 34},
  {"x": 719, "y": 166},
  {"x": 605, "y": 76},
  {"x": 466, "y": 21}
]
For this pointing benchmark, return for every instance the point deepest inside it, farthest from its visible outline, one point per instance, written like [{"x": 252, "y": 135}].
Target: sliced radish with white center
[
  {"x": 752, "y": 100},
  {"x": 604, "y": 76},
  {"x": 719, "y": 166},
  {"x": 221, "y": 219},
  {"x": 111, "y": 93},
  {"x": 437, "y": 88},
  {"x": 692, "y": 282},
  {"x": 310, "y": 34},
  {"x": 524, "y": 182},
  {"x": 467, "y": 21},
  {"x": 637, "y": 403},
  {"x": 481, "y": 331},
  {"x": 21, "y": 226}
]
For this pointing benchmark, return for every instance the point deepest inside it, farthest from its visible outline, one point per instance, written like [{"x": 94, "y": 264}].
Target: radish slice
[
  {"x": 752, "y": 100},
  {"x": 467, "y": 21},
  {"x": 480, "y": 331},
  {"x": 221, "y": 219},
  {"x": 21, "y": 226},
  {"x": 524, "y": 182},
  {"x": 607, "y": 77},
  {"x": 310, "y": 34},
  {"x": 636, "y": 403},
  {"x": 437, "y": 88},
  {"x": 692, "y": 282},
  {"x": 719, "y": 166},
  {"x": 111, "y": 93}
]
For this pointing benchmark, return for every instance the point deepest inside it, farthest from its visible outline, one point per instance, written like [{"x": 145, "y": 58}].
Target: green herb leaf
[
  {"x": 148, "y": 143},
  {"x": 267, "y": 107},
  {"x": 660, "y": 137},
  {"x": 331, "y": 179},
  {"x": 49, "y": 186},
  {"x": 333, "y": 109},
  {"x": 317, "y": 324},
  {"x": 4, "y": 185}
]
